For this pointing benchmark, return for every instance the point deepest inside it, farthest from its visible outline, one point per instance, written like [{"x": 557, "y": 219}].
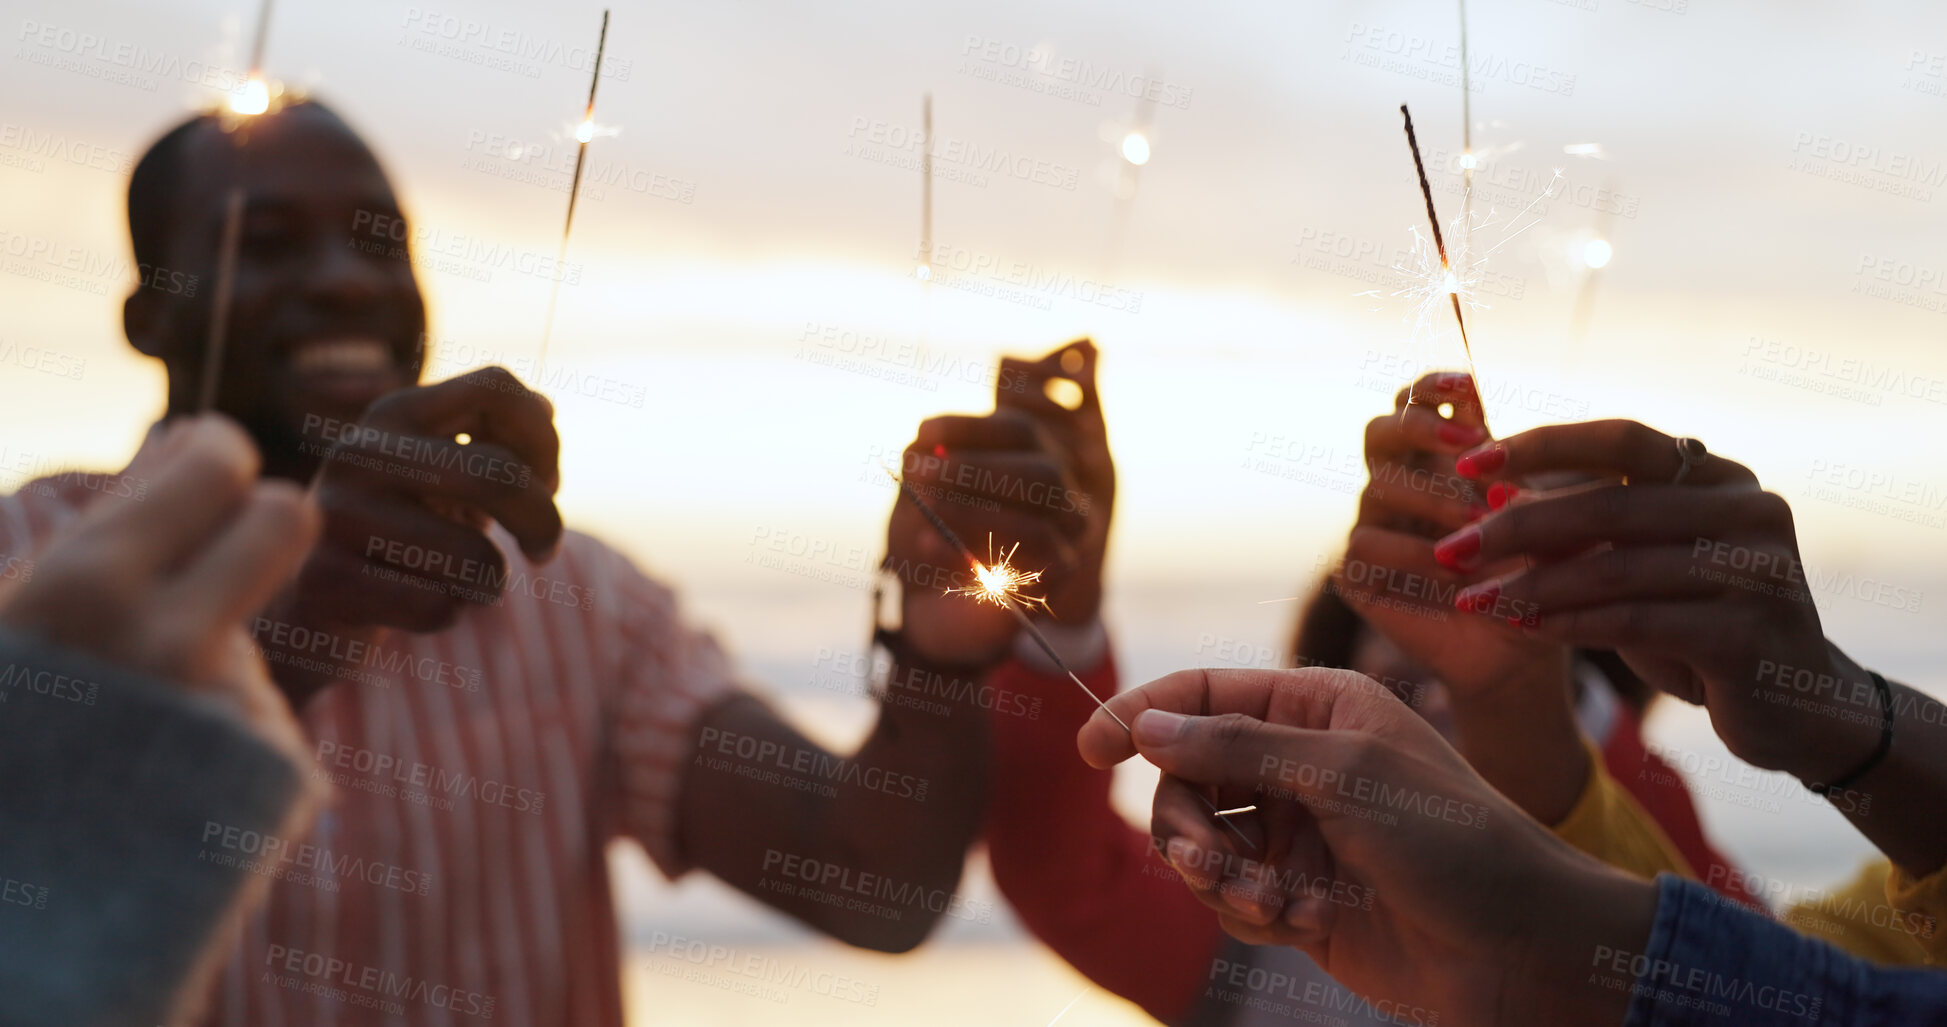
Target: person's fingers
[
  {"x": 1550, "y": 528},
  {"x": 1672, "y": 628},
  {"x": 1103, "y": 742},
  {"x": 339, "y": 586},
  {"x": 196, "y": 489},
  {"x": 489, "y": 404},
  {"x": 483, "y": 477},
  {"x": 1616, "y": 448},
  {"x": 1002, "y": 429},
  {"x": 1605, "y": 576},
  {"x": 1398, "y": 498},
  {"x": 1236, "y": 751},
  {"x": 249, "y": 560},
  {"x": 1024, "y": 383},
  {"x": 1418, "y": 429},
  {"x": 1302, "y": 696},
  {"x": 404, "y": 543},
  {"x": 1198, "y": 848},
  {"x": 1395, "y": 569},
  {"x": 1442, "y": 387}
]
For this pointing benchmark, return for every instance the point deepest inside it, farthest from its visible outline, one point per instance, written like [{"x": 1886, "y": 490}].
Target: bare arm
[{"x": 867, "y": 847}]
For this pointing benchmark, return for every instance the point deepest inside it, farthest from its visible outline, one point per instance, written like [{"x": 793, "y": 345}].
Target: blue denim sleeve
[{"x": 1712, "y": 962}]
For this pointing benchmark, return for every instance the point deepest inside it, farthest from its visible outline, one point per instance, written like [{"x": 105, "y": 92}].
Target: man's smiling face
[{"x": 325, "y": 314}]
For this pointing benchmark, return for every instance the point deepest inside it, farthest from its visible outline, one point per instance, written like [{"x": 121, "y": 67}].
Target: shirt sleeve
[
  {"x": 1711, "y": 962},
  {"x": 1109, "y": 906},
  {"x": 115, "y": 882},
  {"x": 670, "y": 674},
  {"x": 1607, "y": 823}
]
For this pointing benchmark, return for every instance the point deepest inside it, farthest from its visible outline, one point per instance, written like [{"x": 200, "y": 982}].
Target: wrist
[
  {"x": 1830, "y": 735},
  {"x": 1590, "y": 914}
]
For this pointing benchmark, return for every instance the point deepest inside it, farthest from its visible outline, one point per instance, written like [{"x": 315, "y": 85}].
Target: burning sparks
[
  {"x": 583, "y": 133},
  {"x": 252, "y": 99},
  {"x": 1596, "y": 254},
  {"x": 1438, "y": 281},
  {"x": 1135, "y": 149},
  {"x": 1000, "y": 582}
]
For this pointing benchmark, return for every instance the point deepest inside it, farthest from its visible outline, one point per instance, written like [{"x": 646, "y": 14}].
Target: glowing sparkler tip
[
  {"x": 1451, "y": 282},
  {"x": 1135, "y": 149},
  {"x": 585, "y": 131},
  {"x": 1469, "y": 161},
  {"x": 253, "y": 98},
  {"x": 1596, "y": 253},
  {"x": 922, "y": 272},
  {"x": 999, "y": 582}
]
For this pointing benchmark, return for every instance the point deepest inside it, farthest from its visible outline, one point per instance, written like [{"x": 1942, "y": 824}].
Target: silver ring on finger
[{"x": 1693, "y": 454}]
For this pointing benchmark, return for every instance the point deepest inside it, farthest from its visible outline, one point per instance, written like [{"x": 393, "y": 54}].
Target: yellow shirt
[
  {"x": 1882, "y": 914},
  {"x": 1607, "y": 823}
]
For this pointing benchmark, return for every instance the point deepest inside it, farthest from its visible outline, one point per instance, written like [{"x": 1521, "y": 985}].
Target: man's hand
[
  {"x": 406, "y": 509},
  {"x": 1081, "y": 435},
  {"x": 164, "y": 586},
  {"x": 996, "y": 477},
  {"x": 1379, "y": 851}
]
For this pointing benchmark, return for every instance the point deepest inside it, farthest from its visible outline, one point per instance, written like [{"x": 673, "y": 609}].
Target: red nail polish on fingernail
[
  {"x": 1459, "y": 549},
  {"x": 1461, "y": 434},
  {"x": 1475, "y": 512},
  {"x": 1501, "y": 494},
  {"x": 1478, "y": 599},
  {"x": 939, "y": 450},
  {"x": 1476, "y": 462}
]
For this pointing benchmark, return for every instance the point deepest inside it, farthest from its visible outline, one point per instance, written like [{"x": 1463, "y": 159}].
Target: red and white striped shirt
[{"x": 458, "y": 876}]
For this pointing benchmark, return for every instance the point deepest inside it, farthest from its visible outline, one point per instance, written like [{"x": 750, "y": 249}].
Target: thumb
[{"x": 1240, "y": 751}]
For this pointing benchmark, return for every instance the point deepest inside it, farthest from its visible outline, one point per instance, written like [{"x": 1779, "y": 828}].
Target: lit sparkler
[
  {"x": 1449, "y": 280},
  {"x": 584, "y": 133},
  {"x": 1000, "y": 583},
  {"x": 252, "y": 99},
  {"x": 1438, "y": 281}
]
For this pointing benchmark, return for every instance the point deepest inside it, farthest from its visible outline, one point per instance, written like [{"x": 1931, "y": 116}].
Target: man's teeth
[{"x": 348, "y": 356}]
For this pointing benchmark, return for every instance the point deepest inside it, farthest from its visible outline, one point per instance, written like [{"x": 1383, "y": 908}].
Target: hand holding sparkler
[
  {"x": 1411, "y": 500},
  {"x": 1059, "y": 392},
  {"x": 999, "y": 583},
  {"x": 1004, "y": 468}
]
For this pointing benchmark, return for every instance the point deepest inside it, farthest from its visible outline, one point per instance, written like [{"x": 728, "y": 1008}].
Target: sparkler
[
  {"x": 252, "y": 100},
  {"x": 925, "y": 272},
  {"x": 583, "y": 134},
  {"x": 1466, "y": 133},
  {"x": 1440, "y": 281},
  {"x": 1451, "y": 281},
  {"x": 1000, "y": 584}
]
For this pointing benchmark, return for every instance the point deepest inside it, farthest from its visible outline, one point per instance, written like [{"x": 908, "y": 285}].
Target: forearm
[
  {"x": 1521, "y": 736},
  {"x": 1590, "y": 918},
  {"x": 793, "y": 825}
]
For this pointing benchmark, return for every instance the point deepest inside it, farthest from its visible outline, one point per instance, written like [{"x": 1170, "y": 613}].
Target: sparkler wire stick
[
  {"x": 1466, "y": 137},
  {"x": 216, "y": 342},
  {"x": 226, "y": 274},
  {"x": 1426, "y": 190},
  {"x": 1003, "y": 599},
  {"x": 583, "y": 133}
]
